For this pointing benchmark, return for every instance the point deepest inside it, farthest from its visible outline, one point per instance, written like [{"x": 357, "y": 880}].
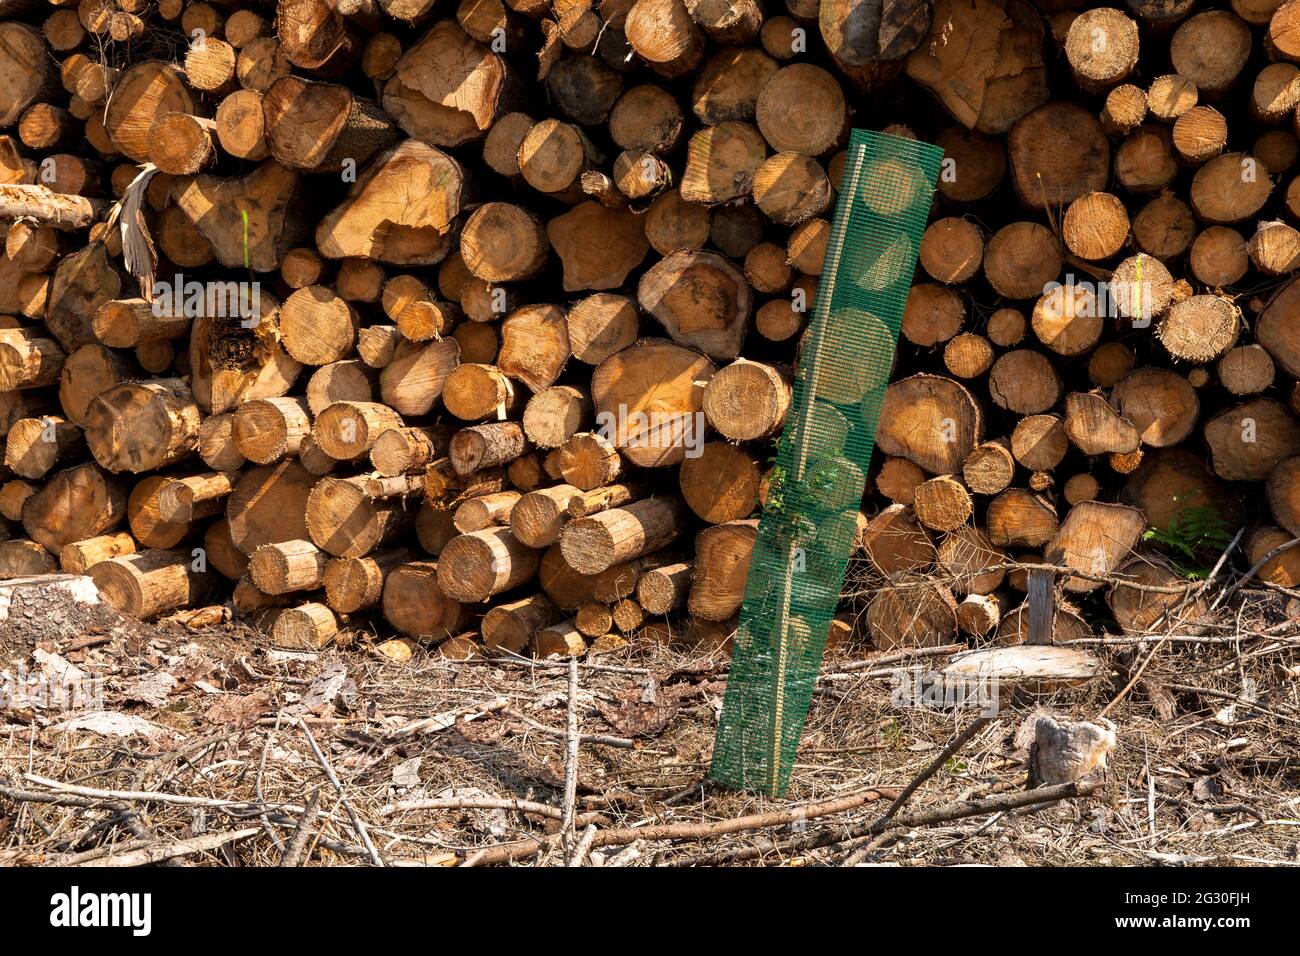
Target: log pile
[{"x": 476, "y": 325}]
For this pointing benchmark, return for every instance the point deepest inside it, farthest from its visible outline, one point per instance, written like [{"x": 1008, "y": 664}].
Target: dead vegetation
[{"x": 203, "y": 751}]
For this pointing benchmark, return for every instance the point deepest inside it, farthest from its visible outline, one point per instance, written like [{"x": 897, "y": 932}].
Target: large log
[{"x": 377, "y": 220}]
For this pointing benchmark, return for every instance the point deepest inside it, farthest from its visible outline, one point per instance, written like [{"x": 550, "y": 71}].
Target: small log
[
  {"x": 972, "y": 560},
  {"x": 721, "y": 163},
  {"x": 562, "y": 639},
  {"x": 720, "y": 484},
  {"x": 1218, "y": 30},
  {"x": 354, "y": 584},
  {"x": 628, "y": 616},
  {"x": 404, "y": 451},
  {"x": 593, "y": 620},
  {"x": 1020, "y": 517},
  {"x": 21, "y": 558},
  {"x": 344, "y": 520},
  {"x": 288, "y": 566},
  {"x": 346, "y": 381},
  {"x": 217, "y": 207},
  {"x": 1020, "y": 259},
  {"x": 363, "y": 225},
  {"x": 151, "y": 583},
  {"x": 933, "y": 315},
  {"x": 484, "y": 446},
  {"x": 376, "y": 344},
  {"x": 898, "y": 478},
  {"x": 475, "y": 566},
  {"x": 1094, "y": 426},
  {"x": 652, "y": 392},
  {"x": 930, "y": 420},
  {"x": 663, "y": 34},
  {"x": 223, "y": 556},
  {"x": 598, "y": 245},
  {"x": 1095, "y": 537},
  {"x": 416, "y": 606},
  {"x": 269, "y": 504},
  {"x": 1138, "y": 611},
  {"x": 315, "y": 36},
  {"x": 989, "y": 468},
  {"x": 802, "y": 109},
  {"x": 503, "y": 243},
  {"x": 1229, "y": 188},
  {"x": 554, "y": 415},
  {"x": 485, "y": 511},
  {"x": 1024, "y": 381},
  {"x": 1246, "y": 370},
  {"x": 539, "y": 516},
  {"x": 588, "y": 461},
  {"x": 412, "y": 382},
  {"x": 600, "y": 325},
  {"x": 1200, "y": 328},
  {"x": 78, "y": 557},
  {"x": 74, "y": 504},
  {"x": 748, "y": 400},
  {"x": 1039, "y": 442},
  {"x": 127, "y": 323},
  {"x": 592, "y": 544},
  {"x": 348, "y": 430},
  {"x": 722, "y": 555},
  {"x": 534, "y": 345},
  {"x": 307, "y": 627},
  {"x": 512, "y": 626},
  {"x": 1102, "y": 48},
  {"x": 1161, "y": 404},
  {"x": 979, "y": 614},
  {"x": 187, "y": 499},
  {"x": 142, "y": 426},
  {"x": 44, "y": 205},
  {"x": 942, "y": 503},
  {"x": 912, "y": 613},
  {"x": 13, "y": 494},
  {"x": 264, "y": 430},
  {"x": 217, "y": 443},
  {"x": 319, "y": 126},
  {"x": 318, "y": 327},
  {"x": 672, "y": 223},
  {"x": 663, "y": 589},
  {"x": 474, "y": 391},
  {"x": 28, "y": 361},
  {"x": 1247, "y": 440}
]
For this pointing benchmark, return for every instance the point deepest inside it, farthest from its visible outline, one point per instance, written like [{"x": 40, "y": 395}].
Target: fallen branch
[
  {"x": 158, "y": 852},
  {"x": 357, "y": 823},
  {"x": 693, "y": 831},
  {"x": 944, "y": 813},
  {"x": 530, "y": 807},
  {"x": 937, "y": 763},
  {"x": 44, "y": 205},
  {"x": 294, "y": 852},
  {"x": 429, "y": 725},
  {"x": 622, "y": 742},
  {"x": 572, "y": 743}
]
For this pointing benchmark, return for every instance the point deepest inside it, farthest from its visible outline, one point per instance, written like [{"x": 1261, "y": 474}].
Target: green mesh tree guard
[{"x": 806, "y": 533}]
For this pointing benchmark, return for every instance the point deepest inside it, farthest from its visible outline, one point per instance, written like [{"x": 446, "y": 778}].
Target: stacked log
[{"x": 477, "y": 329}]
